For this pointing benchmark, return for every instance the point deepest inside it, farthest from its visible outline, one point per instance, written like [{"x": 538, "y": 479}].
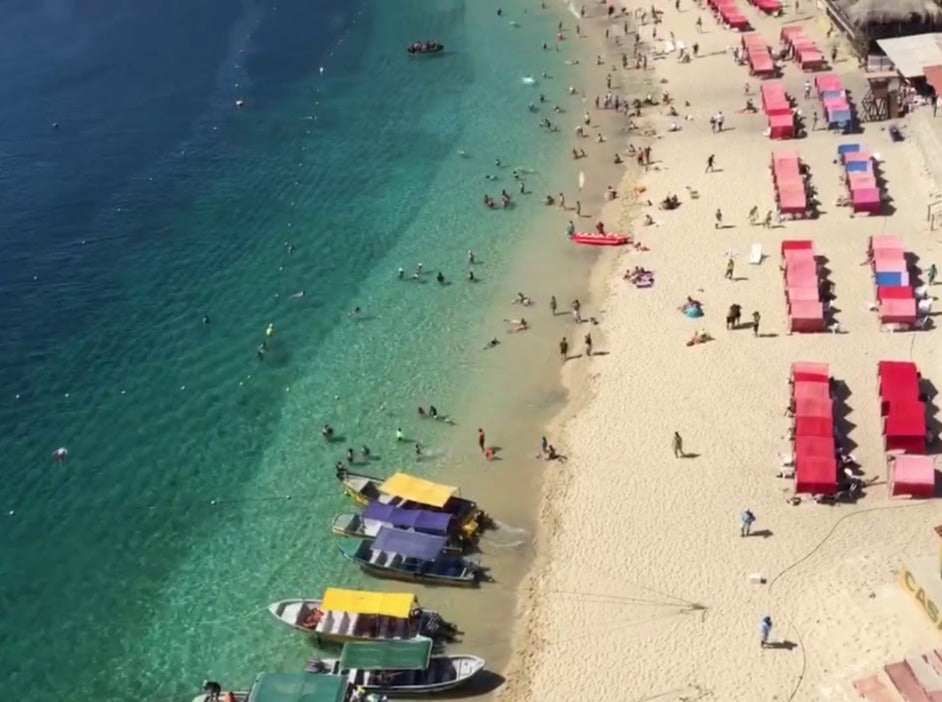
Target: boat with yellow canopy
[
  {"x": 362, "y": 615},
  {"x": 411, "y": 492}
]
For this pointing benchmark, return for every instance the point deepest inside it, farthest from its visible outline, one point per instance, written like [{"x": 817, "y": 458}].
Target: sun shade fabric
[
  {"x": 389, "y": 604},
  {"x": 413, "y": 489},
  {"x": 418, "y": 519},
  {"x": 912, "y": 475},
  {"x": 413, "y": 654},
  {"x": 410, "y": 544},
  {"x": 298, "y": 687},
  {"x": 813, "y": 426},
  {"x": 816, "y": 475},
  {"x": 806, "y": 370}
]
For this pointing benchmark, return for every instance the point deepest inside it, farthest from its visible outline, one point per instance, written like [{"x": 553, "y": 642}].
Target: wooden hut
[{"x": 865, "y": 21}]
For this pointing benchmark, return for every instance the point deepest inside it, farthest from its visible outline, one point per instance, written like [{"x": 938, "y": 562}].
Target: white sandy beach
[{"x": 641, "y": 586}]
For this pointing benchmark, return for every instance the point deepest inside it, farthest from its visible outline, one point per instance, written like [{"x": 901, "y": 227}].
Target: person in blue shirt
[
  {"x": 746, "y": 520},
  {"x": 765, "y": 629}
]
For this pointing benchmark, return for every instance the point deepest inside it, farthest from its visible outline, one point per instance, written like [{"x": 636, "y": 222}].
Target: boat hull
[
  {"x": 468, "y": 577},
  {"x": 466, "y": 667},
  {"x": 285, "y": 611}
]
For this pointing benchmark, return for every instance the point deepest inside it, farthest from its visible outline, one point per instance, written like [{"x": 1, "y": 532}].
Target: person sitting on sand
[
  {"x": 522, "y": 300},
  {"x": 617, "y": 159},
  {"x": 699, "y": 337},
  {"x": 648, "y": 220},
  {"x": 692, "y": 308},
  {"x": 491, "y": 344},
  {"x": 518, "y": 325},
  {"x": 600, "y": 227},
  {"x": 549, "y": 200}
]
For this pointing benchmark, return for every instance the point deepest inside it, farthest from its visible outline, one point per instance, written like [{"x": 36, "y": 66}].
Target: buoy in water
[
  {"x": 60, "y": 454},
  {"x": 240, "y": 102}
]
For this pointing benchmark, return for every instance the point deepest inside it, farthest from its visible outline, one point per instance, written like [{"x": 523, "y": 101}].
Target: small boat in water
[
  {"x": 360, "y": 615},
  {"x": 376, "y": 515},
  {"x": 403, "y": 668},
  {"x": 290, "y": 687},
  {"x": 410, "y": 492},
  {"x": 409, "y": 555},
  {"x": 425, "y": 47}
]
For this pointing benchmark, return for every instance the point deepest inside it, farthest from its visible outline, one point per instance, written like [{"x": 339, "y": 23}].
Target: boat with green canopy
[
  {"x": 292, "y": 687},
  {"x": 400, "y": 667}
]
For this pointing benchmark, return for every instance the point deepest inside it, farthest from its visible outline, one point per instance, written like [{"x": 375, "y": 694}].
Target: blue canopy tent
[
  {"x": 409, "y": 544},
  {"x": 419, "y": 519}
]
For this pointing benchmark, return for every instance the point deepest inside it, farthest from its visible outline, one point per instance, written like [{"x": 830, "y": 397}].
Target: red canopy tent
[
  {"x": 894, "y": 292},
  {"x": 815, "y": 407},
  {"x": 797, "y": 245},
  {"x": 807, "y": 293},
  {"x": 814, "y": 446},
  {"x": 774, "y": 99},
  {"x": 895, "y": 311},
  {"x": 807, "y": 371},
  {"x": 885, "y": 242},
  {"x": 814, "y": 426},
  {"x": 904, "y": 428},
  {"x": 816, "y": 475},
  {"x": 912, "y": 475},
  {"x": 781, "y": 126},
  {"x": 866, "y": 200}
]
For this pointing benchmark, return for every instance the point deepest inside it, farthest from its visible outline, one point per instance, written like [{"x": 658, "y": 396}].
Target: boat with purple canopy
[
  {"x": 376, "y": 515},
  {"x": 413, "y": 556}
]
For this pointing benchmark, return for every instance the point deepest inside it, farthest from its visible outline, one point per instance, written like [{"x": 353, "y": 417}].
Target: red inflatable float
[{"x": 592, "y": 239}]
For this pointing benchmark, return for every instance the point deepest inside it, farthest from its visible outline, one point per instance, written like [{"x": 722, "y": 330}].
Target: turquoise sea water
[{"x": 157, "y": 201}]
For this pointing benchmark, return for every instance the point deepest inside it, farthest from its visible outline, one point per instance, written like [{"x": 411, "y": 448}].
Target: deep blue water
[{"x": 156, "y": 201}]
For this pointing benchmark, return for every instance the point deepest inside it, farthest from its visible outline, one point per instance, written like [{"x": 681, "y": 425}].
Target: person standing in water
[{"x": 481, "y": 439}]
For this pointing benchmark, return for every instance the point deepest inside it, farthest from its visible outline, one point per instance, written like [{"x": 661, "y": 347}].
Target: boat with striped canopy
[
  {"x": 375, "y": 515},
  {"x": 403, "y": 667},
  {"x": 412, "y": 556},
  {"x": 410, "y": 492},
  {"x": 361, "y": 615}
]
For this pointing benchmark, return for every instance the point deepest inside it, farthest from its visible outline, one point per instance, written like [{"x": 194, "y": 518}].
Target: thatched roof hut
[{"x": 868, "y": 20}]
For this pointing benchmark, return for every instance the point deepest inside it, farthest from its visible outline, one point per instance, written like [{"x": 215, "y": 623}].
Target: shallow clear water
[{"x": 157, "y": 201}]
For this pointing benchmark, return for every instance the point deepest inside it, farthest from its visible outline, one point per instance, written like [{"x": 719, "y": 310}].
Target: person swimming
[
  {"x": 491, "y": 344},
  {"x": 440, "y": 278},
  {"x": 350, "y": 456},
  {"x": 365, "y": 450},
  {"x": 354, "y": 312},
  {"x": 421, "y": 412},
  {"x": 327, "y": 432},
  {"x": 402, "y": 273},
  {"x": 471, "y": 277}
]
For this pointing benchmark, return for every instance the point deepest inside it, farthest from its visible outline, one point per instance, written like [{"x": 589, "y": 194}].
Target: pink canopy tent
[
  {"x": 810, "y": 59},
  {"x": 815, "y": 391},
  {"x": 866, "y": 200},
  {"x": 912, "y": 475},
  {"x": 790, "y": 32},
  {"x": 774, "y": 99},
  {"x": 889, "y": 261},
  {"x": 809, "y": 371},
  {"x": 816, "y": 475},
  {"x": 792, "y": 199},
  {"x": 895, "y": 311},
  {"x": 807, "y": 293},
  {"x": 806, "y": 317},
  {"x": 801, "y": 269},
  {"x": 760, "y": 63},
  {"x": 814, "y": 426},
  {"x": 814, "y": 407},
  {"x": 887, "y": 244},
  {"x": 904, "y": 428},
  {"x": 827, "y": 82},
  {"x": 781, "y": 126}
]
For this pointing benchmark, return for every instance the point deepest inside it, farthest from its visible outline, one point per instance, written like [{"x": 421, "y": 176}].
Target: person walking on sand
[
  {"x": 578, "y": 208},
  {"x": 765, "y": 630},
  {"x": 754, "y": 214},
  {"x": 767, "y": 222},
  {"x": 756, "y": 318},
  {"x": 481, "y": 439},
  {"x": 553, "y": 305},
  {"x": 564, "y": 349},
  {"x": 678, "y": 445},
  {"x": 588, "y": 344},
  {"x": 562, "y": 201},
  {"x": 718, "y": 215},
  {"x": 746, "y": 520},
  {"x": 699, "y": 25},
  {"x": 807, "y": 89},
  {"x": 931, "y": 274},
  {"x": 814, "y": 121},
  {"x": 711, "y": 163},
  {"x": 730, "y": 267}
]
